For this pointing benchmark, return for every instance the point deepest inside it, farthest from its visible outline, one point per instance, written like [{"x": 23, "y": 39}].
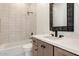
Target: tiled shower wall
[{"x": 15, "y": 24}]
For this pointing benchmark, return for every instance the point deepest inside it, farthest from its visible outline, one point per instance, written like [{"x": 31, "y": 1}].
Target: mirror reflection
[{"x": 59, "y": 14}]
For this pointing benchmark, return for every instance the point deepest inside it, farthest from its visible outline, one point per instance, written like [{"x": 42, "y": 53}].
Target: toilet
[{"x": 28, "y": 49}]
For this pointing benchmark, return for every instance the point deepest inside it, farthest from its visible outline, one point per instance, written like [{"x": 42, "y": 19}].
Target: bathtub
[{"x": 24, "y": 49}]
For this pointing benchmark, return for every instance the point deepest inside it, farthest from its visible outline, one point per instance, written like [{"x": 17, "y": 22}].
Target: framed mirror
[{"x": 62, "y": 16}]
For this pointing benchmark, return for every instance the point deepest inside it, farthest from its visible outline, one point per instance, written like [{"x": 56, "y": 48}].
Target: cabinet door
[
  {"x": 40, "y": 49},
  {"x": 35, "y": 47},
  {"x": 35, "y": 50},
  {"x": 48, "y": 50},
  {"x": 45, "y": 49},
  {"x": 61, "y": 52}
]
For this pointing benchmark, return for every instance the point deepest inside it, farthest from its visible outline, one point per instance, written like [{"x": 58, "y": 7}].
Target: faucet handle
[{"x": 60, "y": 36}]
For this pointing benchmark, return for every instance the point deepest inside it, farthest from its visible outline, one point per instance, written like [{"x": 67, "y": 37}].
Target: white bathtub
[{"x": 17, "y": 50}]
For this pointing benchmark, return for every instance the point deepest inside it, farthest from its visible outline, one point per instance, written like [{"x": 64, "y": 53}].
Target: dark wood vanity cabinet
[{"x": 41, "y": 48}]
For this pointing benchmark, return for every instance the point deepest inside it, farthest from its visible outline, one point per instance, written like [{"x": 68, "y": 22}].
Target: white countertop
[{"x": 68, "y": 44}]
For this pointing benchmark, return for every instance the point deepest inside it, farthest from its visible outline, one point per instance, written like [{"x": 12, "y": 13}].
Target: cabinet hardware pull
[
  {"x": 43, "y": 46},
  {"x": 34, "y": 41},
  {"x": 36, "y": 49}
]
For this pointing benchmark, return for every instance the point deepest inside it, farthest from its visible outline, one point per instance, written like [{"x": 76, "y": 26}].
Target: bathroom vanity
[
  {"x": 61, "y": 19},
  {"x": 53, "y": 47}
]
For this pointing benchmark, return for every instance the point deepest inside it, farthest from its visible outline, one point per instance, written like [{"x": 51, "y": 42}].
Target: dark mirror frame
[{"x": 70, "y": 19}]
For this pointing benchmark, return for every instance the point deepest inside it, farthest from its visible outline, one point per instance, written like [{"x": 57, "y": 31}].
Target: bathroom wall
[
  {"x": 15, "y": 24},
  {"x": 43, "y": 21},
  {"x": 42, "y": 15}
]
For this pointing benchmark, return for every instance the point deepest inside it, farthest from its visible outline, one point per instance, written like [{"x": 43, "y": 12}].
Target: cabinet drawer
[
  {"x": 35, "y": 41},
  {"x": 62, "y": 52}
]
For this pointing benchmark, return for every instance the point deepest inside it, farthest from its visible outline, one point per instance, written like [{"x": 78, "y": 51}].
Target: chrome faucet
[{"x": 56, "y": 33}]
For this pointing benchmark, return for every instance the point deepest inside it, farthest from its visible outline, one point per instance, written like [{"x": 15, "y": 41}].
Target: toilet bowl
[{"x": 28, "y": 49}]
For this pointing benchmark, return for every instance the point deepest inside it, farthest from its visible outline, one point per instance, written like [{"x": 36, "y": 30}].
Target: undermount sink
[{"x": 51, "y": 37}]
